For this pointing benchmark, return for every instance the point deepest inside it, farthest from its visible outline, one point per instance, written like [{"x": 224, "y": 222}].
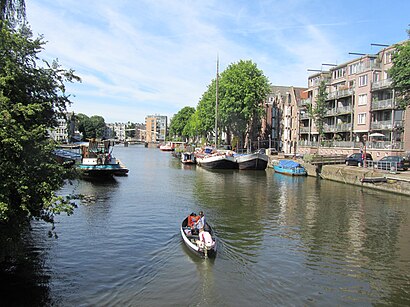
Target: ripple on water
[{"x": 280, "y": 241}]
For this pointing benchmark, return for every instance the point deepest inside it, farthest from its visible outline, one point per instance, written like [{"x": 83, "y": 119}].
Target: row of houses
[
  {"x": 362, "y": 112},
  {"x": 154, "y": 130}
]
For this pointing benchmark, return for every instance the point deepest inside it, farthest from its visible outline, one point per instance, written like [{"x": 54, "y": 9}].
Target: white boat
[
  {"x": 167, "y": 147},
  {"x": 253, "y": 161},
  {"x": 204, "y": 246}
]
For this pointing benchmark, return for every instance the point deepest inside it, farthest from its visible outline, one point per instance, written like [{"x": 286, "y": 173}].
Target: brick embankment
[
  {"x": 376, "y": 179},
  {"x": 366, "y": 177}
]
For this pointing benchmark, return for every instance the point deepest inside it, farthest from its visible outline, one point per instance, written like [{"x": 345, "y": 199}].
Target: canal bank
[
  {"x": 398, "y": 182},
  {"x": 365, "y": 177}
]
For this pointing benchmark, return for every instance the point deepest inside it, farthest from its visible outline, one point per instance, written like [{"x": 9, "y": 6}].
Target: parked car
[
  {"x": 398, "y": 163},
  {"x": 356, "y": 159}
]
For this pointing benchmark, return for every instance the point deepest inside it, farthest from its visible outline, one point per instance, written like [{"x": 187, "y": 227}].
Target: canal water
[{"x": 282, "y": 241}]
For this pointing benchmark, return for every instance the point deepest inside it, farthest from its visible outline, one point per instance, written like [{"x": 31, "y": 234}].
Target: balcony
[
  {"x": 340, "y": 94},
  {"x": 344, "y": 110},
  {"x": 383, "y": 104},
  {"x": 331, "y": 112},
  {"x": 386, "y": 83},
  {"x": 382, "y": 125},
  {"x": 304, "y": 102},
  {"x": 304, "y": 129},
  {"x": 398, "y": 124},
  {"x": 368, "y": 66},
  {"x": 329, "y": 128},
  {"x": 345, "y": 127},
  {"x": 357, "y": 145},
  {"x": 304, "y": 116},
  {"x": 338, "y": 111}
]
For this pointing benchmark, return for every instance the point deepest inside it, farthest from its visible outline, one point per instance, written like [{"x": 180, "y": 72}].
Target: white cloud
[{"x": 137, "y": 54}]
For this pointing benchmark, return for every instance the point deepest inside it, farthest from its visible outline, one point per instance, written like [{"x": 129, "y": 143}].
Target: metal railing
[
  {"x": 383, "y": 124},
  {"x": 355, "y": 145},
  {"x": 304, "y": 102},
  {"x": 381, "y": 84},
  {"x": 383, "y": 104},
  {"x": 340, "y": 94},
  {"x": 344, "y": 110}
]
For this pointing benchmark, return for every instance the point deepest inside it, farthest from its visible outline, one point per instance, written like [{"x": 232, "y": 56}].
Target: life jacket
[{"x": 192, "y": 220}]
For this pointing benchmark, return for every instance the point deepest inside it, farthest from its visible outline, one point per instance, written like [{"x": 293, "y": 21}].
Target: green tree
[
  {"x": 192, "y": 128},
  {"x": 206, "y": 112},
  {"x": 12, "y": 10},
  {"x": 130, "y": 130},
  {"x": 243, "y": 88},
  {"x": 98, "y": 126},
  {"x": 317, "y": 110},
  {"x": 400, "y": 72},
  {"x": 91, "y": 127},
  {"x": 83, "y": 125},
  {"x": 32, "y": 97},
  {"x": 179, "y": 121}
]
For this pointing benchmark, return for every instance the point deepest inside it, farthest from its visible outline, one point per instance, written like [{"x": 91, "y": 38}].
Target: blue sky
[{"x": 143, "y": 57}]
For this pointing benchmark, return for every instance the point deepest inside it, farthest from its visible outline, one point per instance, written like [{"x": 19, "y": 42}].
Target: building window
[
  {"x": 388, "y": 57},
  {"x": 362, "y": 100},
  {"x": 376, "y": 76},
  {"x": 339, "y": 73},
  {"x": 363, "y": 80},
  {"x": 361, "y": 118},
  {"x": 353, "y": 68}
]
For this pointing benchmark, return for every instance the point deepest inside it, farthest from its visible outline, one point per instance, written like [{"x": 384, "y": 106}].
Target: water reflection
[{"x": 24, "y": 279}]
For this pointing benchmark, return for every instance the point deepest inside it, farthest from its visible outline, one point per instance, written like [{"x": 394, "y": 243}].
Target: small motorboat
[
  {"x": 289, "y": 167},
  {"x": 188, "y": 158},
  {"x": 167, "y": 147},
  {"x": 202, "y": 244}
]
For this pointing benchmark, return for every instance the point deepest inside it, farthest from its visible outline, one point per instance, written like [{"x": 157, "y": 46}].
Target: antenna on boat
[{"x": 216, "y": 102}]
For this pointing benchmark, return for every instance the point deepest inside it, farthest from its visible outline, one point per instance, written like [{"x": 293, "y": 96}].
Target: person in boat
[
  {"x": 192, "y": 218},
  {"x": 201, "y": 222}
]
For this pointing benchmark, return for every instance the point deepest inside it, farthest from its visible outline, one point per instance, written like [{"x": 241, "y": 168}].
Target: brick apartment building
[
  {"x": 156, "y": 128},
  {"x": 362, "y": 111}
]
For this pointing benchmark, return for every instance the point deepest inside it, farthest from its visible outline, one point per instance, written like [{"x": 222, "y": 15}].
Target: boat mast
[{"x": 216, "y": 103}]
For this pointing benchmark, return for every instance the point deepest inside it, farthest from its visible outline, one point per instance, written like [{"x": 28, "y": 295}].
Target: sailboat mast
[{"x": 216, "y": 103}]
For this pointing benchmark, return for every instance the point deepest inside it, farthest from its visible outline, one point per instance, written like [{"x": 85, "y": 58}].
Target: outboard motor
[{"x": 206, "y": 240}]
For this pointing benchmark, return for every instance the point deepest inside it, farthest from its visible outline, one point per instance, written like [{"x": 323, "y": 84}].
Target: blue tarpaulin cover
[{"x": 288, "y": 164}]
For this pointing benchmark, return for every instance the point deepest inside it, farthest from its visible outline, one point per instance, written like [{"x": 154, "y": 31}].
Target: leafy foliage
[
  {"x": 31, "y": 100},
  {"x": 317, "y": 110},
  {"x": 179, "y": 121},
  {"x": 130, "y": 130},
  {"x": 206, "y": 111},
  {"x": 12, "y": 10},
  {"x": 90, "y": 127},
  {"x": 400, "y": 73},
  {"x": 192, "y": 127},
  {"x": 243, "y": 88}
]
